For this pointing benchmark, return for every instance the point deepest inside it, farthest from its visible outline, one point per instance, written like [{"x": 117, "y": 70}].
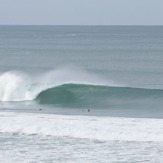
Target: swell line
[{"x": 95, "y": 95}]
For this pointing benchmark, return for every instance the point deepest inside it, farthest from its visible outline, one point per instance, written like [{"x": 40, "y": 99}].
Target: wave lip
[{"x": 97, "y": 128}]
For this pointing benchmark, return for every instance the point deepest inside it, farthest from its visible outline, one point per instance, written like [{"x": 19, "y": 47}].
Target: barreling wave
[
  {"x": 64, "y": 89},
  {"x": 84, "y": 95}
]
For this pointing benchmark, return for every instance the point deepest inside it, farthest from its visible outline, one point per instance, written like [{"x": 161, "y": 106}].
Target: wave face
[{"x": 84, "y": 95}]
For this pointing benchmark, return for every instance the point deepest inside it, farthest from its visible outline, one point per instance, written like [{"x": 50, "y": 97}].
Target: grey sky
[{"x": 82, "y": 12}]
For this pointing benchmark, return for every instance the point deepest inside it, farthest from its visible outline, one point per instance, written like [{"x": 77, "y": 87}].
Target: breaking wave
[{"x": 67, "y": 92}]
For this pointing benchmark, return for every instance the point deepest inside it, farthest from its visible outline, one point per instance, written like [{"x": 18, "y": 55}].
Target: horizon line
[{"x": 80, "y": 25}]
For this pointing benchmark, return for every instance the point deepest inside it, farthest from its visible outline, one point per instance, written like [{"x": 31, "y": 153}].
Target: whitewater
[
  {"x": 84, "y": 127},
  {"x": 80, "y": 138},
  {"x": 81, "y": 94}
]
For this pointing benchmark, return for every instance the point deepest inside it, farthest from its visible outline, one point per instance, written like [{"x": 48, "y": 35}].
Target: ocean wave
[{"x": 16, "y": 86}]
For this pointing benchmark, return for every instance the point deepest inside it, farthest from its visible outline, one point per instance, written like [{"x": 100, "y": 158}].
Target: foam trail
[{"x": 100, "y": 128}]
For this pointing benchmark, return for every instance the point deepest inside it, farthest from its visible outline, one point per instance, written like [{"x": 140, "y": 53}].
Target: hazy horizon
[{"x": 79, "y": 12}]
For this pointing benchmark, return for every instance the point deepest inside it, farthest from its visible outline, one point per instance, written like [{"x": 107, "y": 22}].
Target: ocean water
[{"x": 81, "y": 94}]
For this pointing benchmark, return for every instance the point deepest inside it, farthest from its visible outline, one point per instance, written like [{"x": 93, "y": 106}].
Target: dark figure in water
[
  {"x": 40, "y": 109},
  {"x": 89, "y": 110}
]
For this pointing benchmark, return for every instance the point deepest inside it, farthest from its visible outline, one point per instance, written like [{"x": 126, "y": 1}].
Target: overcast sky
[{"x": 82, "y": 12}]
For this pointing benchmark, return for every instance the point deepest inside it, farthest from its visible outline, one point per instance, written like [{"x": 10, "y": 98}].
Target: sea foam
[{"x": 89, "y": 127}]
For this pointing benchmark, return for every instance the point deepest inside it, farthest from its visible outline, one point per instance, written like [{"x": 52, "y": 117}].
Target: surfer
[{"x": 89, "y": 110}]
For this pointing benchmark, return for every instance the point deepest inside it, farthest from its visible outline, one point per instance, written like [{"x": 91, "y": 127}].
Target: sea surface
[{"x": 78, "y": 94}]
